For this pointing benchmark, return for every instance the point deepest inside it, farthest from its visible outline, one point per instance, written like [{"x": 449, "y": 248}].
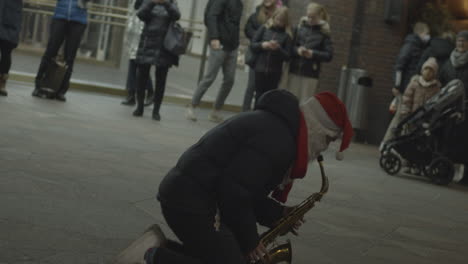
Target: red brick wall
[{"x": 380, "y": 44}]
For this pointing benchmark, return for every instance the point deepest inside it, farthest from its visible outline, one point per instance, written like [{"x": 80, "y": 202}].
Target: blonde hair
[
  {"x": 320, "y": 10},
  {"x": 283, "y": 13},
  {"x": 323, "y": 15},
  {"x": 262, "y": 14},
  {"x": 420, "y": 28}
]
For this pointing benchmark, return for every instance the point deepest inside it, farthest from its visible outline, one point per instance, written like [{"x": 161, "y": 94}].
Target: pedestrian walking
[{"x": 222, "y": 19}]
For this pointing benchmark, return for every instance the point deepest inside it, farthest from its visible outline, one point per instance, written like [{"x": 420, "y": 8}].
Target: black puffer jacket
[
  {"x": 252, "y": 25},
  {"x": 440, "y": 49},
  {"x": 222, "y": 18},
  {"x": 408, "y": 60},
  {"x": 236, "y": 165},
  {"x": 10, "y": 20},
  {"x": 310, "y": 37},
  {"x": 157, "y": 18},
  {"x": 449, "y": 73},
  {"x": 271, "y": 60}
]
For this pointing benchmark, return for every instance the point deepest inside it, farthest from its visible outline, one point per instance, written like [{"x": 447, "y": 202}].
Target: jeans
[
  {"x": 64, "y": 32},
  {"x": 131, "y": 85},
  {"x": 218, "y": 59},
  {"x": 143, "y": 75},
  {"x": 6, "y": 48}
]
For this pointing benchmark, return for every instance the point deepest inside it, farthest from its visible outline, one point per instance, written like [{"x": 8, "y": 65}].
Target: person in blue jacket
[{"x": 67, "y": 27}]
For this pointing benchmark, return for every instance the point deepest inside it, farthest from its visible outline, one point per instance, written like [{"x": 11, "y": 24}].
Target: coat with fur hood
[
  {"x": 419, "y": 90},
  {"x": 316, "y": 38}
]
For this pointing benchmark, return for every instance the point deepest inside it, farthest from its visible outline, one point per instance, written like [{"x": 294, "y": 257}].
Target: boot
[
  {"x": 130, "y": 101},
  {"x": 140, "y": 104},
  {"x": 3, "y": 80},
  {"x": 156, "y": 115},
  {"x": 38, "y": 91}
]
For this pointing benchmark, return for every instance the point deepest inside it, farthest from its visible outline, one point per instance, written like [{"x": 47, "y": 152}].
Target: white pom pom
[{"x": 339, "y": 156}]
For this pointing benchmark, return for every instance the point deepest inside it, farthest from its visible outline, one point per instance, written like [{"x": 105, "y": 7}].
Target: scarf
[
  {"x": 299, "y": 168},
  {"x": 459, "y": 59},
  {"x": 425, "y": 83}
]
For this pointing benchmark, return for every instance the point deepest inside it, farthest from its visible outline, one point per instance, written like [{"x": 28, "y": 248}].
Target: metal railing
[{"x": 103, "y": 39}]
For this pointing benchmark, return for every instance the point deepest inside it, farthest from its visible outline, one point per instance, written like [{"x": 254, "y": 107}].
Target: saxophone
[{"x": 283, "y": 253}]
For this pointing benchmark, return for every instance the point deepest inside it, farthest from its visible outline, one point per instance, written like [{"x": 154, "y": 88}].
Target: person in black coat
[
  {"x": 240, "y": 173},
  {"x": 409, "y": 57},
  {"x": 457, "y": 68},
  {"x": 407, "y": 66},
  {"x": 271, "y": 46},
  {"x": 10, "y": 27},
  {"x": 255, "y": 21},
  {"x": 158, "y": 16},
  {"x": 439, "y": 48},
  {"x": 312, "y": 46}
]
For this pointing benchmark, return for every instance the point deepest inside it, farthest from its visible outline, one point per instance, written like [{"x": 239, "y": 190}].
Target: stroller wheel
[
  {"x": 441, "y": 171},
  {"x": 390, "y": 163}
]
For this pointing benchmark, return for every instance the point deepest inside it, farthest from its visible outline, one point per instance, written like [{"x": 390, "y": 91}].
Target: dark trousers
[
  {"x": 265, "y": 82},
  {"x": 143, "y": 76},
  {"x": 132, "y": 80},
  {"x": 64, "y": 32},
  {"x": 202, "y": 244},
  {"x": 249, "y": 92},
  {"x": 6, "y": 48}
]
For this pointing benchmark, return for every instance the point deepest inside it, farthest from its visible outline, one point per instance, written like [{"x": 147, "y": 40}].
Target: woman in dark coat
[
  {"x": 158, "y": 16},
  {"x": 255, "y": 21},
  {"x": 271, "y": 46},
  {"x": 10, "y": 27},
  {"x": 312, "y": 46}
]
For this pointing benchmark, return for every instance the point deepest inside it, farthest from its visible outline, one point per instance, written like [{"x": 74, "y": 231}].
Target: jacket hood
[
  {"x": 324, "y": 26},
  {"x": 283, "y": 104}
]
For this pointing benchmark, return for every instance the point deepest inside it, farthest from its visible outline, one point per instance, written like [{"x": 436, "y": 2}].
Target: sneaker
[
  {"x": 190, "y": 114},
  {"x": 60, "y": 97},
  {"x": 215, "y": 117},
  {"x": 136, "y": 252}
]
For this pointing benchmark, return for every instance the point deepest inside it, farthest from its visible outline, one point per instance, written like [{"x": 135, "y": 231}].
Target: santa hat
[{"x": 336, "y": 112}]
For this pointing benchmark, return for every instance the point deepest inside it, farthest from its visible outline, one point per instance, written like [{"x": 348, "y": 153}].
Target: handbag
[
  {"x": 250, "y": 58},
  {"x": 54, "y": 75},
  {"x": 177, "y": 39}
]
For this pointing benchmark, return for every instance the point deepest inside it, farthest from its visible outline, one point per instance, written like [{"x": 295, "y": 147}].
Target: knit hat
[
  {"x": 337, "y": 116},
  {"x": 431, "y": 63},
  {"x": 463, "y": 34}
]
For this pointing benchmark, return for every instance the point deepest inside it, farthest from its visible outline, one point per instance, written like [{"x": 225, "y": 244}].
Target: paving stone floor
[{"x": 78, "y": 181}]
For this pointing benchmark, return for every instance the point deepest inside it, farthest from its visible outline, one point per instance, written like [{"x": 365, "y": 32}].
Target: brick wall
[{"x": 380, "y": 44}]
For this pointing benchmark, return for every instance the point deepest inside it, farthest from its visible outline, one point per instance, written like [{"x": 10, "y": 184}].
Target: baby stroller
[{"x": 423, "y": 138}]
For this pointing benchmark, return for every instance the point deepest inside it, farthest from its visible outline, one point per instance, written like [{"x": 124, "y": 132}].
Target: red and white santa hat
[{"x": 333, "y": 116}]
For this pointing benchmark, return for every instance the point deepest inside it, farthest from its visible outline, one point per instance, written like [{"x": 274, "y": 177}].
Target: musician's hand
[{"x": 259, "y": 253}]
